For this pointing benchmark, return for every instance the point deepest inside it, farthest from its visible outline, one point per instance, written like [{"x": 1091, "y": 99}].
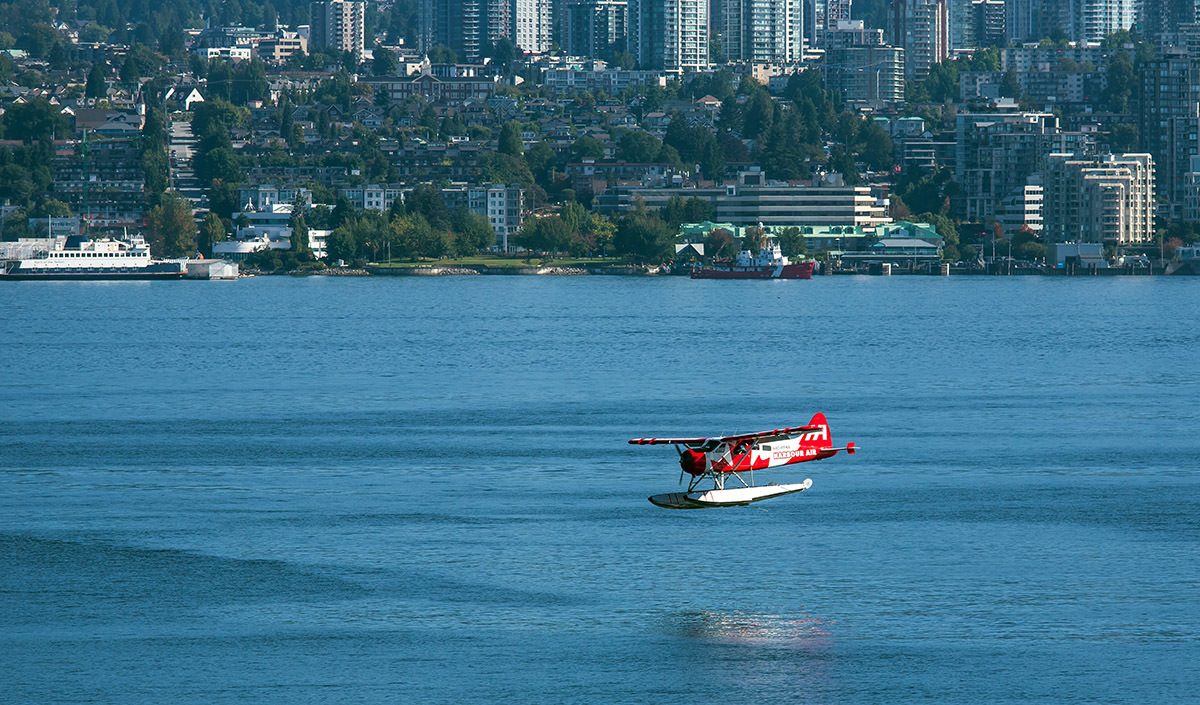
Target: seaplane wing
[
  {"x": 738, "y": 438},
  {"x": 666, "y": 441},
  {"x": 769, "y": 435}
]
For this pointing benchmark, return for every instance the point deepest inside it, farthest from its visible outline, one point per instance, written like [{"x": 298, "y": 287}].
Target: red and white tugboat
[{"x": 769, "y": 263}]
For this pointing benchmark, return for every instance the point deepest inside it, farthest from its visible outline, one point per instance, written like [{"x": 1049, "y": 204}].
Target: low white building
[
  {"x": 263, "y": 196},
  {"x": 238, "y": 250},
  {"x": 242, "y": 53}
]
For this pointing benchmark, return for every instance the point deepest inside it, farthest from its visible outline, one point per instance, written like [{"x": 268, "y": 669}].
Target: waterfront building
[
  {"x": 763, "y": 31},
  {"x": 1023, "y": 208},
  {"x": 821, "y": 238},
  {"x": 996, "y": 154},
  {"x": 755, "y": 200},
  {"x": 669, "y": 35},
  {"x": 1191, "y": 191},
  {"x": 338, "y": 25},
  {"x": 503, "y": 205},
  {"x": 594, "y": 28},
  {"x": 1109, "y": 199},
  {"x": 921, "y": 28}
]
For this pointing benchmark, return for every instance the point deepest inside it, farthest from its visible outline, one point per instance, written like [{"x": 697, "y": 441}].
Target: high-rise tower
[{"x": 337, "y": 25}]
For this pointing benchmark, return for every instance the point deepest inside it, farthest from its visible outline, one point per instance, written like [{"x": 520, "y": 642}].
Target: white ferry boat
[{"x": 81, "y": 258}]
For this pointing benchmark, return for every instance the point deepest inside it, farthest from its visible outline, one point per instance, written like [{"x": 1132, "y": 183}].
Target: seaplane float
[{"x": 733, "y": 459}]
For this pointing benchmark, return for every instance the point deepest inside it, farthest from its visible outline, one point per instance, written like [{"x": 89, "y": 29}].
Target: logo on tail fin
[{"x": 821, "y": 437}]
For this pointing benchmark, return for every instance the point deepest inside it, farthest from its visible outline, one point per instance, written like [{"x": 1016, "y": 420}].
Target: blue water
[{"x": 418, "y": 490}]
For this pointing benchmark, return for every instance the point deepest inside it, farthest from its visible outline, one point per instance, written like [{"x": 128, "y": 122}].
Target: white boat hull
[{"x": 733, "y": 497}]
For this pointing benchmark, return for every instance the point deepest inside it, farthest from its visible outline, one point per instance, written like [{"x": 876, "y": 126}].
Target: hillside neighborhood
[{"x": 306, "y": 135}]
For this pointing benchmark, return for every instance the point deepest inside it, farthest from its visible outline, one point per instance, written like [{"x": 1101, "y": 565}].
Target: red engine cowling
[{"x": 692, "y": 462}]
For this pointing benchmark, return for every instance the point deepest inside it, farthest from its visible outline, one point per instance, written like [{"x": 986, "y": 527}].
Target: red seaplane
[{"x": 738, "y": 456}]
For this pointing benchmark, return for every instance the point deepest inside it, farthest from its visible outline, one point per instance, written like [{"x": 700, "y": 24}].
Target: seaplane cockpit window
[{"x": 710, "y": 445}]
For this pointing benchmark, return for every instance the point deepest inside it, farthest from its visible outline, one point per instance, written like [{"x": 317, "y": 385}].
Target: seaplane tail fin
[{"x": 819, "y": 438}]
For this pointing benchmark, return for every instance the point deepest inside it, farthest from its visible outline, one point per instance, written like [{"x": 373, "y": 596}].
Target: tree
[
  {"x": 499, "y": 168},
  {"x": 250, "y": 82},
  {"x": 712, "y": 160},
  {"x": 719, "y": 244},
  {"x": 472, "y": 232},
  {"x": 842, "y": 162},
  {"x": 33, "y": 121},
  {"x": 218, "y": 164},
  {"x": 759, "y": 114},
  {"x": 397, "y": 209},
  {"x": 638, "y": 146},
  {"x": 731, "y": 115},
  {"x": 212, "y": 231},
  {"x": 1010, "y": 86},
  {"x": 542, "y": 160},
  {"x": 412, "y": 236},
  {"x": 442, "y": 54},
  {"x": 343, "y": 210},
  {"x": 130, "y": 74},
  {"x": 696, "y": 145},
  {"x": 426, "y": 200},
  {"x": 791, "y": 241},
  {"x": 1124, "y": 137},
  {"x": 384, "y": 63},
  {"x": 643, "y": 236},
  {"x": 588, "y": 147},
  {"x": 510, "y": 139},
  {"x": 171, "y": 228},
  {"x": 300, "y": 243},
  {"x": 544, "y": 235},
  {"x": 96, "y": 86},
  {"x": 691, "y": 210},
  {"x": 504, "y": 53},
  {"x": 879, "y": 152},
  {"x": 1122, "y": 81},
  {"x": 220, "y": 81},
  {"x": 16, "y": 184},
  {"x": 754, "y": 239}
]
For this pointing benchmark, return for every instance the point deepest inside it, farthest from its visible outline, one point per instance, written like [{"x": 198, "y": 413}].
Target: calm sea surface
[{"x": 418, "y": 490}]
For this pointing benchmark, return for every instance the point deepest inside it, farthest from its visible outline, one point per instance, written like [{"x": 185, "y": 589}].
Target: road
[{"x": 180, "y": 150}]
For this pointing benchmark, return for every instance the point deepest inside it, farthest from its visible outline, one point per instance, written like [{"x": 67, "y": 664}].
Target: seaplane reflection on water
[
  {"x": 736, "y": 458},
  {"x": 758, "y": 629}
]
